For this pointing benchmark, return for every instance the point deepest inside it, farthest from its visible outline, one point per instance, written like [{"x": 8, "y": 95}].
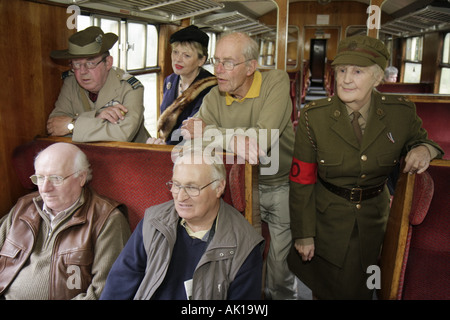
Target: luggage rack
[{"x": 430, "y": 18}]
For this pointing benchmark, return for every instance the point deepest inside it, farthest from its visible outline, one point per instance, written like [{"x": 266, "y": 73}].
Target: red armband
[{"x": 303, "y": 172}]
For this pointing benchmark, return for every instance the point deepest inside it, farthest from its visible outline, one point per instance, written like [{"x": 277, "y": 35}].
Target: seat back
[
  {"x": 135, "y": 175},
  {"x": 415, "y": 259},
  {"x": 427, "y": 268}
]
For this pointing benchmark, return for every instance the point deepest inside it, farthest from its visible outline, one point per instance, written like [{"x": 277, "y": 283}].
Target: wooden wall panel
[
  {"x": 303, "y": 14},
  {"x": 31, "y": 80}
]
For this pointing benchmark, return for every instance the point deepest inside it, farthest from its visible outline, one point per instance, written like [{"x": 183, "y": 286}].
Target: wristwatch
[{"x": 71, "y": 126}]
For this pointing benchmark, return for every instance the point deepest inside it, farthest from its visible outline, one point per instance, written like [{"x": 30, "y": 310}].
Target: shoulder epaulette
[
  {"x": 133, "y": 81},
  {"x": 319, "y": 103},
  {"x": 395, "y": 99},
  {"x": 66, "y": 74}
]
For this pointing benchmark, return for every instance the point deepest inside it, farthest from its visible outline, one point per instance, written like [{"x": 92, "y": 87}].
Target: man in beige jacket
[{"x": 97, "y": 102}]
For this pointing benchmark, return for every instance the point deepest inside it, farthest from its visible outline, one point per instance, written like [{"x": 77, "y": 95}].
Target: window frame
[
  {"x": 444, "y": 65},
  {"x": 408, "y": 60}
]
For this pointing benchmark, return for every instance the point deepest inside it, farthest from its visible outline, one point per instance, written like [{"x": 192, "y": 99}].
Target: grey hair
[
  {"x": 251, "y": 49},
  {"x": 198, "y": 156},
  {"x": 391, "y": 70},
  {"x": 80, "y": 164}
]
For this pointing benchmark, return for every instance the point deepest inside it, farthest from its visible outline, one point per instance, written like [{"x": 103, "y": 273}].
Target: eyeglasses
[
  {"x": 39, "y": 180},
  {"x": 87, "y": 65},
  {"x": 227, "y": 65},
  {"x": 190, "y": 190}
]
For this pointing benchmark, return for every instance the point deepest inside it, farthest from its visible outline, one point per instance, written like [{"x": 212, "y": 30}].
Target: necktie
[
  {"x": 93, "y": 96},
  {"x": 356, "y": 127}
]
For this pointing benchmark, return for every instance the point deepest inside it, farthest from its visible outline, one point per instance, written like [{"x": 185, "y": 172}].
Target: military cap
[
  {"x": 89, "y": 42},
  {"x": 189, "y": 34},
  {"x": 362, "y": 51}
]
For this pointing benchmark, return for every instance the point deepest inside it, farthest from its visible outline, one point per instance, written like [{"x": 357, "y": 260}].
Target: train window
[
  {"x": 444, "y": 83},
  {"x": 211, "y": 49},
  {"x": 135, "y": 47},
  {"x": 267, "y": 53},
  {"x": 413, "y": 60},
  {"x": 112, "y": 25},
  {"x": 152, "y": 44}
]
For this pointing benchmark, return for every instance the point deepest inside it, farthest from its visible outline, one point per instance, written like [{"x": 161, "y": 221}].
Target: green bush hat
[
  {"x": 363, "y": 51},
  {"x": 86, "y": 43}
]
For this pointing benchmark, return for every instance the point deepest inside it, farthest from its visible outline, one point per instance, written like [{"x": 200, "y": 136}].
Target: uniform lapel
[
  {"x": 108, "y": 92},
  {"x": 342, "y": 126},
  {"x": 375, "y": 125}
]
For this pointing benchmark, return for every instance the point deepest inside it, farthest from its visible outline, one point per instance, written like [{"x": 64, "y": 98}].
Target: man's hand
[
  {"x": 192, "y": 128},
  {"x": 57, "y": 126},
  {"x": 247, "y": 148},
  {"x": 113, "y": 114},
  {"x": 417, "y": 160},
  {"x": 155, "y": 141}
]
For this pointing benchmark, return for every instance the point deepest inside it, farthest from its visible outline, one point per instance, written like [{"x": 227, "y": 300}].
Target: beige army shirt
[{"x": 120, "y": 88}]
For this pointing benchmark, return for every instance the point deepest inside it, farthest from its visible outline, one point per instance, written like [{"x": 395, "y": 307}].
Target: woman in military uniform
[{"x": 339, "y": 202}]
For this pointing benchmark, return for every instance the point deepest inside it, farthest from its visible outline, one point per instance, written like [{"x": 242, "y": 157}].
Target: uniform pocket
[
  {"x": 387, "y": 159},
  {"x": 330, "y": 163}
]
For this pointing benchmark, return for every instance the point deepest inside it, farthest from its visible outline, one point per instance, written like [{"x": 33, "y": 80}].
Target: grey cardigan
[{"x": 233, "y": 241}]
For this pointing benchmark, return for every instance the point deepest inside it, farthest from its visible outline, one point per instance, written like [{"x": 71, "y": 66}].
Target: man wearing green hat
[
  {"x": 97, "y": 102},
  {"x": 345, "y": 148}
]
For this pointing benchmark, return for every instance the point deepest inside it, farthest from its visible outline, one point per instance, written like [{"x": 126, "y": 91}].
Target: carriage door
[{"x": 318, "y": 54}]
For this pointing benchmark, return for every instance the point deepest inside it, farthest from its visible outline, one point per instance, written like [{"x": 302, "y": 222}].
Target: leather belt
[{"x": 356, "y": 194}]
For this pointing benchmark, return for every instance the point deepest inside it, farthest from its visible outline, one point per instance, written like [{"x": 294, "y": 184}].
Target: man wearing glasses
[
  {"x": 97, "y": 102},
  {"x": 193, "y": 247},
  {"x": 250, "y": 101},
  {"x": 60, "y": 242}
]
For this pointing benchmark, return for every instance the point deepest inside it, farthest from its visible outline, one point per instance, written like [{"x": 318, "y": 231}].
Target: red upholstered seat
[
  {"x": 426, "y": 266},
  {"x": 135, "y": 177},
  {"x": 435, "y": 117}
]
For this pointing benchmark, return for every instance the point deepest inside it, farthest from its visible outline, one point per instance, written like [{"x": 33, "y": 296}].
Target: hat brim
[
  {"x": 353, "y": 59},
  {"x": 109, "y": 40},
  {"x": 357, "y": 59}
]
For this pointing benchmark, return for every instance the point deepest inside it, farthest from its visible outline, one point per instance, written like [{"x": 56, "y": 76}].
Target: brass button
[
  {"x": 363, "y": 176},
  {"x": 358, "y": 206},
  {"x": 364, "y": 157}
]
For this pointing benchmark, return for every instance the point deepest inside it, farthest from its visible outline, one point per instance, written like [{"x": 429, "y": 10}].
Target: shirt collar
[
  {"x": 253, "y": 92},
  {"x": 364, "y": 111},
  {"x": 201, "y": 235},
  {"x": 59, "y": 216}
]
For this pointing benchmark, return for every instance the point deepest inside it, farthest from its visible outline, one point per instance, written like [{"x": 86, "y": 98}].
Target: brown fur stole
[{"x": 169, "y": 117}]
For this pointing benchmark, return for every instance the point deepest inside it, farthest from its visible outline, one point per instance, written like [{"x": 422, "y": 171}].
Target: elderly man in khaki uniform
[
  {"x": 345, "y": 148},
  {"x": 97, "y": 102}
]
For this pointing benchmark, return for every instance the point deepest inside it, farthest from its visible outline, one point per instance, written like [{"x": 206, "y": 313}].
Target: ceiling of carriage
[{"x": 223, "y": 15}]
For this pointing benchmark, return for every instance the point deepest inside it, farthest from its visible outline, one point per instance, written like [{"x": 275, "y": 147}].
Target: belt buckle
[{"x": 352, "y": 195}]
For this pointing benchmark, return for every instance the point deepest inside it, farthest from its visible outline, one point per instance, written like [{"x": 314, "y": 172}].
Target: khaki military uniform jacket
[
  {"x": 325, "y": 142},
  {"x": 120, "y": 88}
]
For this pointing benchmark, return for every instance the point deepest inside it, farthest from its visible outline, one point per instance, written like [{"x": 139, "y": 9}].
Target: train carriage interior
[{"x": 298, "y": 36}]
